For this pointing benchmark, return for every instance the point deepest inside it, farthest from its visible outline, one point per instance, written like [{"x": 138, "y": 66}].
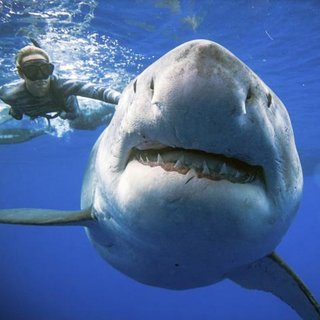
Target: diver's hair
[{"x": 28, "y": 50}]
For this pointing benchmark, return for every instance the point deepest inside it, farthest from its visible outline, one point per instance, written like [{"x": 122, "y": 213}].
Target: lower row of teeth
[{"x": 203, "y": 172}]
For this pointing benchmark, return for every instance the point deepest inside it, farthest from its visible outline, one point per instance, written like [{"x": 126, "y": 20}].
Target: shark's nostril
[
  {"x": 269, "y": 96},
  {"x": 135, "y": 86},
  {"x": 152, "y": 87},
  {"x": 249, "y": 95}
]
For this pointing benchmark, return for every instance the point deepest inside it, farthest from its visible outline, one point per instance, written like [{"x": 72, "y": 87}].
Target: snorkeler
[{"x": 40, "y": 93}]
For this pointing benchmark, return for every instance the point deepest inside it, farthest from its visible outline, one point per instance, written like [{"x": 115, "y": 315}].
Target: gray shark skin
[{"x": 195, "y": 180}]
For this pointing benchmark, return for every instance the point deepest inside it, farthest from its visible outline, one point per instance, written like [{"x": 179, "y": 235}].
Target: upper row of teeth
[{"x": 204, "y": 168}]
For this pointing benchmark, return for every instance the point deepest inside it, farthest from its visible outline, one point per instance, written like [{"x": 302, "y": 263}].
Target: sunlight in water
[
  {"x": 61, "y": 28},
  {"x": 59, "y": 127}
]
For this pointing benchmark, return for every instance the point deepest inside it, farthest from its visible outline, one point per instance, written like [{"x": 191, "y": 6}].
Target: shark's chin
[
  {"x": 228, "y": 204},
  {"x": 192, "y": 223},
  {"x": 164, "y": 175}
]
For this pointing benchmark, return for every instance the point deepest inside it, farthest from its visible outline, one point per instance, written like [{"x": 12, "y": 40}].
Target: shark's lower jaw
[{"x": 205, "y": 165}]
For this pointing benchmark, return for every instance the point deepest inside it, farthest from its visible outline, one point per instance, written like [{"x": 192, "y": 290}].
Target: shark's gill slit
[{"x": 211, "y": 166}]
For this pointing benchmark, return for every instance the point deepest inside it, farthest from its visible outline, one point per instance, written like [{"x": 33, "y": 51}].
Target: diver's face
[{"x": 39, "y": 87}]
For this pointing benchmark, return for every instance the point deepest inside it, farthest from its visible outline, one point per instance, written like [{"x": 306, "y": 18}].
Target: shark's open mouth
[{"x": 206, "y": 165}]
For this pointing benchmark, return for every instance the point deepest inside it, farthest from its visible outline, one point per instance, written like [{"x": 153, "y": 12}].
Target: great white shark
[{"x": 196, "y": 180}]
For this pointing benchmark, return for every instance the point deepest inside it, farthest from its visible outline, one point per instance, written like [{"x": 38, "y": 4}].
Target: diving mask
[{"x": 39, "y": 69}]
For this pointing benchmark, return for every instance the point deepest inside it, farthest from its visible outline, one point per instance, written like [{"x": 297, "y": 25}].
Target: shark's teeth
[
  {"x": 141, "y": 160},
  {"x": 205, "y": 168},
  {"x": 159, "y": 159},
  {"x": 209, "y": 166},
  {"x": 224, "y": 169},
  {"x": 178, "y": 165},
  {"x": 247, "y": 180}
]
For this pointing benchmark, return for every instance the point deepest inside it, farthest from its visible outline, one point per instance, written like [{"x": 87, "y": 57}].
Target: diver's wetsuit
[{"x": 61, "y": 97}]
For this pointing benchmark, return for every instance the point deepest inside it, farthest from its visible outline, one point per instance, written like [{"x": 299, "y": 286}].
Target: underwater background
[{"x": 53, "y": 272}]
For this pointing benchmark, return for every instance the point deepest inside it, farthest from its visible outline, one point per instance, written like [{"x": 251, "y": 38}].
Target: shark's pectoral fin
[
  {"x": 272, "y": 274},
  {"x": 44, "y": 217}
]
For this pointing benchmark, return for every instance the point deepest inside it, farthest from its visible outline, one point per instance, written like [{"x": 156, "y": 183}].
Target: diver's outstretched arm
[{"x": 88, "y": 90}]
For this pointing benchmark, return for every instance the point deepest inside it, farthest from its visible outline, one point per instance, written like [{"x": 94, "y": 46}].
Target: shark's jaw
[
  {"x": 165, "y": 193},
  {"x": 215, "y": 167}
]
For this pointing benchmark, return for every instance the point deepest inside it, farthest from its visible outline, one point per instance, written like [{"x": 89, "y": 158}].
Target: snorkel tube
[{"x": 35, "y": 43}]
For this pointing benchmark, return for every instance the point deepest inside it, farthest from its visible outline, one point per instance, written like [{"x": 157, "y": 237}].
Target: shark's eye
[
  {"x": 269, "y": 96},
  {"x": 135, "y": 86}
]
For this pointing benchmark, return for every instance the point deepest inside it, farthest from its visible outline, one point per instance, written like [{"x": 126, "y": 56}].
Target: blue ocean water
[{"x": 53, "y": 272}]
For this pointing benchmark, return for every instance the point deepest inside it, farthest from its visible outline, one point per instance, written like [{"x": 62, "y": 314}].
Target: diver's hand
[
  {"x": 68, "y": 115},
  {"x": 14, "y": 114},
  {"x": 63, "y": 115},
  {"x": 117, "y": 99}
]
